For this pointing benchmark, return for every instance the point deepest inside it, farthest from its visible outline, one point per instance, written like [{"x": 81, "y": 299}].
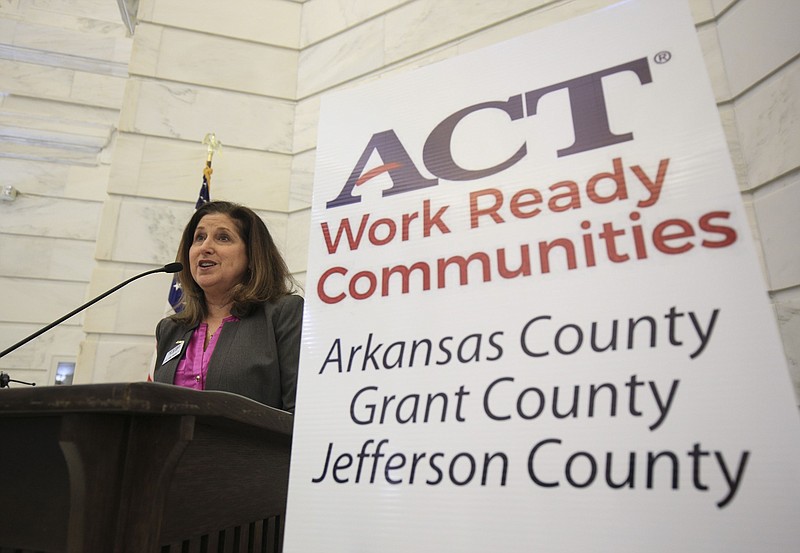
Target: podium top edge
[{"x": 142, "y": 398}]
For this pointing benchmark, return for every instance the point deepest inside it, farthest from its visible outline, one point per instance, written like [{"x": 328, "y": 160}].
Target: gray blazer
[{"x": 256, "y": 357}]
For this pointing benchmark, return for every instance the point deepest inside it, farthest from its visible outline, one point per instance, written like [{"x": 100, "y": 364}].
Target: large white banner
[{"x": 535, "y": 316}]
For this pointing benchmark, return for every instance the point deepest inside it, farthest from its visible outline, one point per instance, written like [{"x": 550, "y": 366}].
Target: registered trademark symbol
[{"x": 662, "y": 57}]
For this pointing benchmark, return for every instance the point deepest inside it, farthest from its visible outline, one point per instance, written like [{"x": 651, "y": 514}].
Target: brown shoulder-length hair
[{"x": 267, "y": 276}]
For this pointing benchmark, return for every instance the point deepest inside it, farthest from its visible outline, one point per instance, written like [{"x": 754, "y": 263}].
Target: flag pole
[{"x": 214, "y": 146}]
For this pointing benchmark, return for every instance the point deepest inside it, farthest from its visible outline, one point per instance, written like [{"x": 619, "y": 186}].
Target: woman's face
[{"x": 217, "y": 256}]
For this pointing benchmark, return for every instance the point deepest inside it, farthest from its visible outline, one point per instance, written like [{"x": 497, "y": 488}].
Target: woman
[{"x": 239, "y": 329}]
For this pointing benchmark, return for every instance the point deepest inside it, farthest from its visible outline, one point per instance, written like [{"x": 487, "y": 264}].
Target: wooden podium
[{"x": 140, "y": 468}]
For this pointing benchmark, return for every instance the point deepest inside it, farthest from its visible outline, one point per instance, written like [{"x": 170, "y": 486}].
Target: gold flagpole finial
[{"x": 214, "y": 146}]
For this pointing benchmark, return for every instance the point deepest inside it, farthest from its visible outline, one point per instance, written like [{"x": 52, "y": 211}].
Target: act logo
[{"x": 589, "y": 124}]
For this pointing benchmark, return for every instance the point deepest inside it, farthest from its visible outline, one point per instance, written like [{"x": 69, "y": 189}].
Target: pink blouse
[{"x": 192, "y": 370}]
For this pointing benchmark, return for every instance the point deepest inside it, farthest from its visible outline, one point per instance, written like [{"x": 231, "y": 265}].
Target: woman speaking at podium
[{"x": 239, "y": 329}]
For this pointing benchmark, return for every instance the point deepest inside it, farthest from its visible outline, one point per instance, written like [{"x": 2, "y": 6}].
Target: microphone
[
  {"x": 168, "y": 268},
  {"x": 5, "y": 379}
]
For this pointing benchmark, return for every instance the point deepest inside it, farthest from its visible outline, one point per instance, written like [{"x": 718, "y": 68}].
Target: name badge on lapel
[{"x": 173, "y": 352}]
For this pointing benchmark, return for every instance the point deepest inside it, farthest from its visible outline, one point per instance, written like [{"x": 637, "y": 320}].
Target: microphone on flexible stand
[
  {"x": 5, "y": 379},
  {"x": 168, "y": 268}
]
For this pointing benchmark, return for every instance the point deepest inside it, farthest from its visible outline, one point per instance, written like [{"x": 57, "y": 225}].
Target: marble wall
[
  {"x": 63, "y": 69},
  {"x": 253, "y": 72},
  {"x": 759, "y": 52}
]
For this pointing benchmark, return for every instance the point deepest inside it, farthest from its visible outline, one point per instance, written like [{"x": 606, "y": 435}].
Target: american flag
[{"x": 204, "y": 197}]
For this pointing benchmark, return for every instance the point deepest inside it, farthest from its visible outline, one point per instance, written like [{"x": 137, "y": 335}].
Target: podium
[{"x": 140, "y": 468}]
